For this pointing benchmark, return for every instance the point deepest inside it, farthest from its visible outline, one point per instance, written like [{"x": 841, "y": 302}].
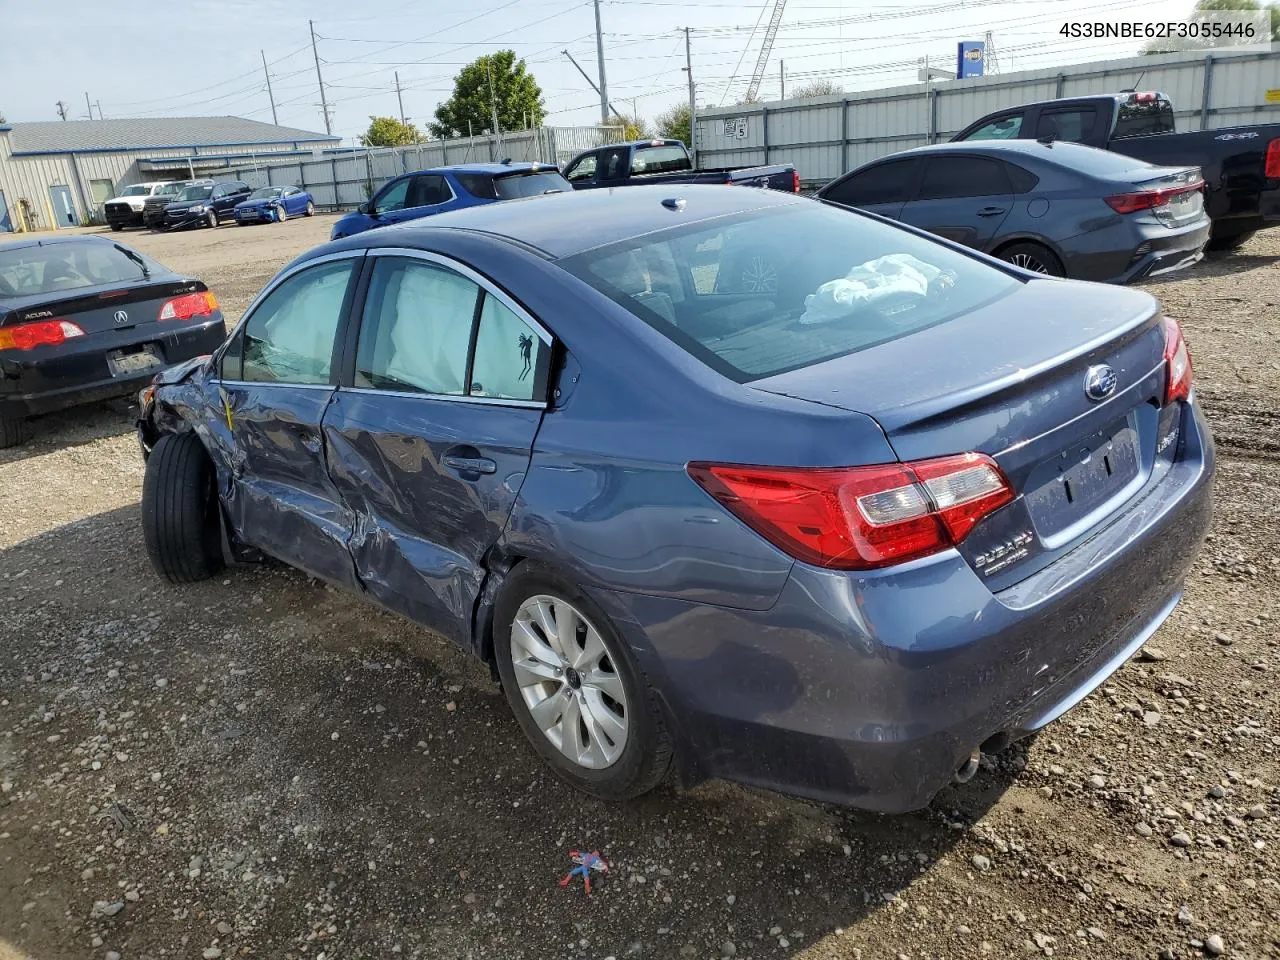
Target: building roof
[{"x": 97, "y": 136}]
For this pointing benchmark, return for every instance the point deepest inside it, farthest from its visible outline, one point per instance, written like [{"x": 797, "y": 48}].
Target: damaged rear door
[
  {"x": 430, "y": 434},
  {"x": 278, "y": 376}
]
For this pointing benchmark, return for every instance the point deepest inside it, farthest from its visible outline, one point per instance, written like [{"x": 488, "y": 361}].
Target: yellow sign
[{"x": 1273, "y": 96}]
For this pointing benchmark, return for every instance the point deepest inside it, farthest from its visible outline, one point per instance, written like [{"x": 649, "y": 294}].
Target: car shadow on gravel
[
  {"x": 346, "y": 779},
  {"x": 74, "y": 427},
  {"x": 1220, "y": 265}
]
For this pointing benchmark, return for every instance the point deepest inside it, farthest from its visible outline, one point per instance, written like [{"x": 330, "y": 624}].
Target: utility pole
[
  {"x": 98, "y": 104},
  {"x": 88, "y": 104},
  {"x": 324, "y": 104},
  {"x": 62, "y": 110},
  {"x": 693, "y": 110},
  {"x": 782, "y": 79},
  {"x": 587, "y": 78},
  {"x": 400, "y": 99},
  {"x": 270, "y": 95},
  {"x": 604, "y": 85}
]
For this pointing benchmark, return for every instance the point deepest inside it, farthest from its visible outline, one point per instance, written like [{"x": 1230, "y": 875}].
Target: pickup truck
[
  {"x": 1240, "y": 165},
  {"x": 667, "y": 161}
]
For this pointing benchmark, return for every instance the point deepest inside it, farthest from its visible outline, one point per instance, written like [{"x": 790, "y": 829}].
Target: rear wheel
[
  {"x": 13, "y": 431},
  {"x": 180, "y": 522},
  {"x": 1033, "y": 257},
  {"x": 211, "y": 218},
  {"x": 311, "y": 209},
  {"x": 575, "y": 690},
  {"x": 1225, "y": 243}
]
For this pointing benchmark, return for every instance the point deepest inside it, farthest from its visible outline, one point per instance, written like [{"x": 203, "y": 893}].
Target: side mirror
[{"x": 365, "y": 208}]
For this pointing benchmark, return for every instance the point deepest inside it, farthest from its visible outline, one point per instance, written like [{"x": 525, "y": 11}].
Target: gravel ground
[{"x": 260, "y": 766}]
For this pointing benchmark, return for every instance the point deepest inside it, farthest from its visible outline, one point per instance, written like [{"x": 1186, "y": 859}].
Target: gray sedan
[{"x": 1050, "y": 207}]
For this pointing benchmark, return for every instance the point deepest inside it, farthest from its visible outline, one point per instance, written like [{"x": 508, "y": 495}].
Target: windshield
[
  {"x": 196, "y": 193},
  {"x": 767, "y": 292},
  {"x": 138, "y": 190},
  {"x": 30, "y": 271},
  {"x": 529, "y": 185},
  {"x": 266, "y": 193}
]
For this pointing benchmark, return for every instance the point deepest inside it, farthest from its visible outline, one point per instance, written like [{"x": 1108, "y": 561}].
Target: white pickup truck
[{"x": 125, "y": 210}]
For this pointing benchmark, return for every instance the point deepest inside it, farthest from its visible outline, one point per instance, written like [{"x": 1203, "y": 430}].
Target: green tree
[
  {"x": 633, "y": 128},
  {"x": 816, "y": 88},
  {"x": 389, "y": 132},
  {"x": 674, "y": 124},
  {"x": 497, "y": 78}
]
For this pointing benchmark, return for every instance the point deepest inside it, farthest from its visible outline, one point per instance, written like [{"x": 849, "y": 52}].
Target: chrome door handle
[{"x": 470, "y": 464}]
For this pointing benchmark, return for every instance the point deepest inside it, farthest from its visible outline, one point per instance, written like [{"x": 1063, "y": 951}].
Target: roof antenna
[{"x": 1136, "y": 83}]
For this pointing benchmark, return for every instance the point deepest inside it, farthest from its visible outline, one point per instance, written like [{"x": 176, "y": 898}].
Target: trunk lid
[
  {"x": 1061, "y": 383},
  {"x": 98, "y": 309}
]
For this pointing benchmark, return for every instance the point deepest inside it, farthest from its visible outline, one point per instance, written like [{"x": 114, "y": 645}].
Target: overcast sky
[{"x": 194, "y": 57}]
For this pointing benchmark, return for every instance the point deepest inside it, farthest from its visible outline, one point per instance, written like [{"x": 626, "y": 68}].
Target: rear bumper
[
  {"x": 1129, "y": 249},
  {"x": 872, "y": 690},
  {"x": 32, "y": 386}
]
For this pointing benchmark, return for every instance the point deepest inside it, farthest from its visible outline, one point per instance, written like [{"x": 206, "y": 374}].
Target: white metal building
[{"x": 59, "y": 173}]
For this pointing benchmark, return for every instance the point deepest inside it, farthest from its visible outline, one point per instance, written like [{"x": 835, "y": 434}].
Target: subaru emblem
[
  {"x": 1100, "y": 382},
  {"x": 122, "y": 317}
]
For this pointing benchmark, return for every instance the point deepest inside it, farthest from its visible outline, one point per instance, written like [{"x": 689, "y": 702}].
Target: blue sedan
[
  {"x": 835, "y": 537},
  {"x": 274, "y": 205}
]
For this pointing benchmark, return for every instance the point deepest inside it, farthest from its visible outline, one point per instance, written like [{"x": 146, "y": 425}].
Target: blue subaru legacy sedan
[{"x": 836, "y": 535}]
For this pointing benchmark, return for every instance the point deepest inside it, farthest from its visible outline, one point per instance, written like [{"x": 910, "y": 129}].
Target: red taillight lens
[
  {"x": 43, "y": 333},
  {"x": 189, "y": 305},
  {"x": 858, "y": 518},
  {"x": 1273, "y": 159},
  {"x": 1177, "y": 363},
  {"x": 1149, "y": 199},
  {"x": 795, "y": 181}
]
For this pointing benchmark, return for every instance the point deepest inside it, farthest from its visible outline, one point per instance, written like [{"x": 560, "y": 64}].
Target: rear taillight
[
  {"x": 795, "y": 181},
  {"x": 858, "y": 518},
  {"x": 42, "y": 333},
  {"x": 189, "y": 305},
  {"x": 1177, "y": 363},
  {"x": 1149, "y": 199},
  {"x": 1273, "y": 160}
]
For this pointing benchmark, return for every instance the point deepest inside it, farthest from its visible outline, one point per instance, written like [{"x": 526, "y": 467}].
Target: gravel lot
[{"x": 261, "y": 766}]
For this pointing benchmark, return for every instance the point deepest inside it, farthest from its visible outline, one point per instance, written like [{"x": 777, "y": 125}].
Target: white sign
[{"x": 735, "y": 128}]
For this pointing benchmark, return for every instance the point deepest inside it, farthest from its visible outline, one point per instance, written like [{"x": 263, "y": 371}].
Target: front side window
[
  {"x": 394, "y": 197},
  {"x": 290, "y": 335},
  {"x": 584, "y": 169},
  {"x": 1008, "y": 127},
  {"x": 884, "y": 183}
]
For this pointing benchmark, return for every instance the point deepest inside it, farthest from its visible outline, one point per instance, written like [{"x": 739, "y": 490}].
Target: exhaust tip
[{"x": 968, "y": 768}]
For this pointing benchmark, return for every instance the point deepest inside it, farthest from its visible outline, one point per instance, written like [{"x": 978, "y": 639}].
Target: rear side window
[
  {"x": 289, "y": 337},
  {"x": 1074, "y": 126},
  {"x": 1007, "y": 127},
  {"x": 52, "y": 268},
  {"x": 884, "y": 183},
  {"x": 946, "y": 177},
  {"x": 762, "y": 293},
  {"x": 1143, "y": 118},
  {"x": 511, "y": 361},
  {"x": 613, "y": 164},
  {"x": 428, "y": 190},
  {"x": 664, "y": 159},
  {"x": 1024, "y": 181},
  {"x": 515, "y": 185},
  {"x": 478, "y": 185}
]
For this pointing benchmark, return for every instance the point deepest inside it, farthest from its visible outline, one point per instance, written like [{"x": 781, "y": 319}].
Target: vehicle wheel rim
[
  {"x": 1029, "y": 261},
  {"x": 569, "y": 681},
  {"x": 280, "y": 214},
  {"x": 759, "y": 276},
  {"x": 311, "y": 208}
]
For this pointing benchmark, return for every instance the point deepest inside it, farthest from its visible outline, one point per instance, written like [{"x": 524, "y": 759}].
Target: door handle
[
  {"x": 991, "y": 211},
  {"x": 469, "y": 464}
]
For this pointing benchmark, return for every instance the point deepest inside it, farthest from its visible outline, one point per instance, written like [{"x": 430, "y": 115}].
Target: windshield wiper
[{"x": 146, "y": 271}]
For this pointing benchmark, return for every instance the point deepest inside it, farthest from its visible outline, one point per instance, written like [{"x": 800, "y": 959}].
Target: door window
[
  {"x": 289, "y": 336},
  {"x": 884, "y": 183},
  {"x": 584, "y": 169},
  {"x": 1007, "y": 127},
  {"x": 511, "y": 360},
  {"x": 394, "y": 197},
  {"x": 615, "y": 164},
  {"x": 416, "y": 330},
  {"x": 429, "y": 190},
  {"x": 1074, "y": 126},
  {"x": 946, "y": 177}
]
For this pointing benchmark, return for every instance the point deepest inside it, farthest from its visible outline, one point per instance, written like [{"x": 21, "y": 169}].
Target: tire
[
  {"x": 281, "y": 214},
  {"x": 608, "y": 765},
  {"x": 13, "y": 431},
  {"x": 116, "y": 227},
  {"x": 1225, "y": 243},
  {"x": 211, "y": 218},
  {"x": 1033, "y": 257},
  {"x": 311, "y": 209},
  {"x": 180, "y": 517}
]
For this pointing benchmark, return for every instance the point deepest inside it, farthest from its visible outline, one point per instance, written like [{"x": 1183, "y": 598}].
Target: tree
[
  {"x": 1202, "y": 6},
  {"x": 389, "y": 132},
  {"x": 817, "y": 88},
  {"x": 633, "y": 128},
  {"x": 674, "y": 124},
  {"x": 497, "y": 78}
]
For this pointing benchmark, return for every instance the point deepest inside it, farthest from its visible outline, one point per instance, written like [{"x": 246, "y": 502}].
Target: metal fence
[
  {"x": 342, "y": 179},
  {"x": 827, "y": 136}
]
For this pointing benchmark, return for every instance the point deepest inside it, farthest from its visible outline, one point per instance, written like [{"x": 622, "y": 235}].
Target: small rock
[
  {"x": 774, "y": 931},
  {"x": 783, "y": 942},
  {"x": 1097, "y": 933},
  {"x": 1214, "y": 945},
  {"x": 211, "y": 953},
  {"x": 963, "y": 930},
  {"x": 161, "y": 682},
  {"x": 469, "y": 898},
  {"x": 334, "y": 735},
  {"x": 634, "y": 949},
  {"x": 1256, "y": 812},
  {"x": 1143, "y": 829},
  {"x": 112, "y": 955},
  {"x": 1096, "y": 782},
  {"x": 1153, "y": 655},
  {"x": 1180, "y": 839},
  {"x": 102, "y": 908},
  {"x": 728, "y": 949},
  {"x": 1217, "y": 791},
  {"x": 1185, "y": 916},
  {"x": 96, "y": 942},
  {"x": 688, "y": 950},
  {"x": 980, "y": 862},
  {"x": 224, "y": 928},
  {"x": 1223, "y": 639},
  {"x": 1152, "y": 717},
  {"x": 1168, "y": 954},
  {"x": 451, "y": 706},
  {"x": 731, "y": 899},
  {"x": 87, "y": 873},
  {"x": 132, "y": 896},
  {"x": 1057, "y": 770}
]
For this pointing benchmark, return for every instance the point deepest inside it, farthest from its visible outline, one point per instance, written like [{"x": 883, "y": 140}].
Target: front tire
[
  {"x": 181, "y": 525},
  {"x": 211, "y": 218},
  {"x": 1033, "y": 257},
  {"x": 311, "y": 209},
  {"x": 281, "y": 214},
  {"x": 575, "y": 689},
  {"x": 13, "y": 431},
  {"x": 116, "y": 227}
]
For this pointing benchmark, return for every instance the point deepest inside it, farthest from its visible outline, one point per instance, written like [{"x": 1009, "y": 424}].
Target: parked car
[
  {"x": 425, "y": 193},
  {"x": 126, "y": 208},
  {"x": 274, "y": 205},
  {"x": 1055, "y": 208},
  {"x": 667, "y": 161},
  {"x": 83, "y": 318},
  {"x": 153, "y": 209},
  {"x": 834, "y": 539},
  {"x": 1241, "y": 165},
  {"x": 205, "y": 204}
]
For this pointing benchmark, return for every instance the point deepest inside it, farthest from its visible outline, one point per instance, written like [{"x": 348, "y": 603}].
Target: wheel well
[{"x": 1034, "y": 241}]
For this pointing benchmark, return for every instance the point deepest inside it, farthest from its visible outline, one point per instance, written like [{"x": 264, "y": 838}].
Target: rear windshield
[
  {"x": 1143, "y": 118},
  {"x": 31, "y": 271},
  {"x": 196, "y": 193},
  {"x": 665, "y": 159},
  {"x": 771, "y": 291},
  {"x": 1098, "y": 163},
  {"x": 529, "y": 185}
]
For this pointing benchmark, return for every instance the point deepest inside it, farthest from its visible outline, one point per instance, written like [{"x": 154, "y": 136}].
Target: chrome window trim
[
  {"x": 423, "y": 395},
  {"x": 277, "y": 383}
]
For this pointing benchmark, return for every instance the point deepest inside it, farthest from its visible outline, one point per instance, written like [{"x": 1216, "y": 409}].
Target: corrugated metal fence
[
  {"x": 827, "y": 136},
  {"x": 343, "y": 179}
]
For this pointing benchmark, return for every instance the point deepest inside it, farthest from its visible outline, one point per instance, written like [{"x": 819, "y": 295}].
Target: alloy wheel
[
  {"x": 1028, "y": 261},
  {"x": 569, "y": 681}
]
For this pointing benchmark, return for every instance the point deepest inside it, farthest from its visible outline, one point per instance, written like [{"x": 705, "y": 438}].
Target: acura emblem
[
  {"x": 1100, "y": 382},
  {"x": 122, "y": 316}
]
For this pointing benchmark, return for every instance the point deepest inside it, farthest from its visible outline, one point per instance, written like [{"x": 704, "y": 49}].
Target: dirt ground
[{"x": 260, "y": 766}]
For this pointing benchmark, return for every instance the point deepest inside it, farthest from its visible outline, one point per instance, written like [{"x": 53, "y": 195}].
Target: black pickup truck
[
  {"x": 1240, "y": 165},
  {"x": 667, "y": 161}
]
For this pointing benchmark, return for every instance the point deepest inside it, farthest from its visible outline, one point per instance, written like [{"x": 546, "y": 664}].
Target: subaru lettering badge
[
  {"x": 1100, "y": 382},
  {"x": 121, "y": 317}
]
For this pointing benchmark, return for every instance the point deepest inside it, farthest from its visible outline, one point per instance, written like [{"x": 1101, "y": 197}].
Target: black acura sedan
[{"x": 83, "y": 318}]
